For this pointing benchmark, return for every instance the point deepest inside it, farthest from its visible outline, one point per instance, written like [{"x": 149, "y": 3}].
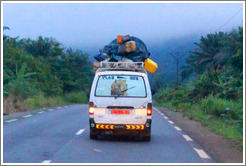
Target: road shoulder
[{"x": 222, "y": 149}]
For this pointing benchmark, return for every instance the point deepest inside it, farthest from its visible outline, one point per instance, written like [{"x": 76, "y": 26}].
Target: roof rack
[{"x": 122, "y": 66}]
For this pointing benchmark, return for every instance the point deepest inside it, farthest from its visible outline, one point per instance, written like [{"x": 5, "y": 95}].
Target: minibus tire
[
  {"x": 147, "y": 138},
  {"x": 93, "y": 135},
  {"x": 147, "y": 135}
]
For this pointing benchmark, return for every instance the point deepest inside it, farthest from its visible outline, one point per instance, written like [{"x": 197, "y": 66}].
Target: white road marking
[
  {"x": 201, "y": 153},
  {"x": 177, "y": 128},
  {"x": 58, "y": 107},
  {"x": 46, "y": 161},
  {"x": 51, "y": 110},
  {"x": 162, "y": 114},
  {"x": 97, "y": 150},
  {"x": 80, "y": 131},
  {"x": 171, "y": 122},
  {"x": 12, "y": 120},
  {"x": 156, "y": 109},
  {"x": 26, "y": 116},
  {"x": 187, "y": 138},
  {"x": 41, "y": 112}
]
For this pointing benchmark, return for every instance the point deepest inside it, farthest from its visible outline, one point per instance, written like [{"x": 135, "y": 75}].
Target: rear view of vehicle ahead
[{"x": 120, "y": 101}]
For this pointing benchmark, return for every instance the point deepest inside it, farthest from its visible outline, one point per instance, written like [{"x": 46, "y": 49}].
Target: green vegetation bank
[
  {"x": 41, "y": 73},
  {"x": 212, "y": 88}
]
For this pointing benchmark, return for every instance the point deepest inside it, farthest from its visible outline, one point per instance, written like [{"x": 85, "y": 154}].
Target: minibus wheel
[
  {"x": 147, "y": 136},
  {"x": 93, "y": 135}
]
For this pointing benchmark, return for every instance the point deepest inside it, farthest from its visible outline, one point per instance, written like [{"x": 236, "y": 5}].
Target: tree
[
  {"x": 19, "y": 84},
  {"x": 4, "y": 29},
  {"x": 44, "y": 47},
  {"x": 217, "y": 63}
]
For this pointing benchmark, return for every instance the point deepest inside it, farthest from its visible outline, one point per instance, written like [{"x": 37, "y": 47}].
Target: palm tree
[
  {"x": 5, "y": 28},
  {"x": 209, "y": 54}
]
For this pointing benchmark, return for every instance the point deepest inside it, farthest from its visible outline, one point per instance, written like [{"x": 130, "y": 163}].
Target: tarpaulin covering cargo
[
  {"x": 126, "y": 49},
  {"x": 130, "y": 47}
]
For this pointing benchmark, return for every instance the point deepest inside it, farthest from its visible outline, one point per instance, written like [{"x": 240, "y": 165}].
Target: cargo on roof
[{"x": 126, "y": 49}]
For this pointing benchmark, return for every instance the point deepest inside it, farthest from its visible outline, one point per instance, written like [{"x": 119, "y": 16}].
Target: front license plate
[{"x": 120, "y": 112}]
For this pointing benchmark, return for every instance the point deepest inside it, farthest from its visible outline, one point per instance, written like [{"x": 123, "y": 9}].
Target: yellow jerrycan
[{"x": 150, "y": 65}]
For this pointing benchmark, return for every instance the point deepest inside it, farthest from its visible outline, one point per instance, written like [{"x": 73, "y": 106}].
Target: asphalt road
[{"x": 61, "y": 135}]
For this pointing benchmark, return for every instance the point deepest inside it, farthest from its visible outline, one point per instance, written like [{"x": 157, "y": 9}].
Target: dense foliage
[
  {"x": 214, "y": 83},
  {"x": 218, "y": 65},
  {"x": 43, "y": 66}
]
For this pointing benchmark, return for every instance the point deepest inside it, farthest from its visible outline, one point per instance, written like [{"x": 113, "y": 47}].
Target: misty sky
[{"x": 87, "y": 26}]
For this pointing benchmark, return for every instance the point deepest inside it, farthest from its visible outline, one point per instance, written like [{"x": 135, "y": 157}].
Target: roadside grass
[
  {"x": 40, "y": 101},
  {"x": 12, "y": 104},
  {"x": 206, "y": 112},
  {"x": 220, "y": 125},
  {"x": 76, "y": 97}
]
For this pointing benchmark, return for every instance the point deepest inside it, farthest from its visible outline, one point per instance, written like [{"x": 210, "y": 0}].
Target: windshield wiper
[
  {"x": 128, "y": 89},
  {"x": 120, "y": 93}
]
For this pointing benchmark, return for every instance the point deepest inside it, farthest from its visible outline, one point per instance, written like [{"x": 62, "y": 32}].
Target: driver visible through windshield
[{"x": 120, "y": 86}]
